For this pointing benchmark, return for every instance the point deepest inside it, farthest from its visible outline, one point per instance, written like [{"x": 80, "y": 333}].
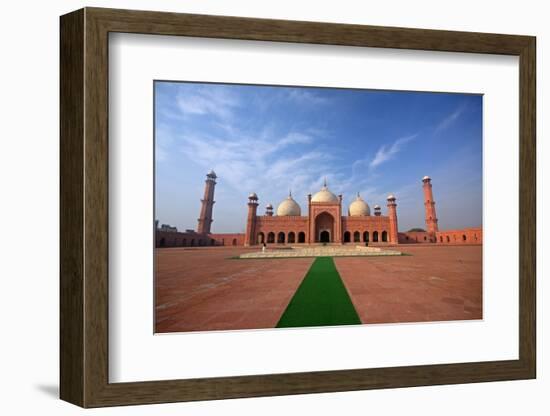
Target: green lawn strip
[
  {"x": 310, "y": 257},
  {"x": 321, "y": 299}
]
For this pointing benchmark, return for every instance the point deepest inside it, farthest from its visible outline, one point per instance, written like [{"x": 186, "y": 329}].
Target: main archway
[{"x": 324, "y": 228}]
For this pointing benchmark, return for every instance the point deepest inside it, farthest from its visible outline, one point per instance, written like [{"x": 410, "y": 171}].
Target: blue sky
[{"x": 272, "y": 139}]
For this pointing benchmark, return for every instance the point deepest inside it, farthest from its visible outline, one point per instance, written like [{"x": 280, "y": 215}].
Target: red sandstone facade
[
  {"x": 464, "y": 236},
  {"x": 324, "y": 223},
  {"x": 194, "y": 239}
]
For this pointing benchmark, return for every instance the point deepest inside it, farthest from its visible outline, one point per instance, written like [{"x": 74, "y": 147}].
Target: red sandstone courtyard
[{"x": 205, "y": 289}]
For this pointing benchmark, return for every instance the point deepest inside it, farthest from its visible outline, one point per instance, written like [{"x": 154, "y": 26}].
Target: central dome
[
  {"x": 359, "y": 208},
  {"x": 289, "y": 207},
  {"x": 324, "y": 195}
]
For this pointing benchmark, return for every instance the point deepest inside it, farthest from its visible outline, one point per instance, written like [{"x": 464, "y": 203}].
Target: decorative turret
[
  {"x": 377, "y": 211},
  {"x": 269, "y": 210}
]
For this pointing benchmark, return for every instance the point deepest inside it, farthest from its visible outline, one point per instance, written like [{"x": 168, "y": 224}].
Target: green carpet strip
[{"x": 321, "y": 299}]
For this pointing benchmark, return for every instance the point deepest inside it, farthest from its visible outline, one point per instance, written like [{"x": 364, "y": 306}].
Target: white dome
[
  {"x": 391, "y": 197},
  {"x": 324, "y": 195},
  {"x": 358, "y": 208},
  {"x": 252, "y": 195},
  {"x": 289, "y": 207},
  {"x": 426, "y": 178}
]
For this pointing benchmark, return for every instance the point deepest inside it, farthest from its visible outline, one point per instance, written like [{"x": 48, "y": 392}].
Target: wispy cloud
[
  {"x": 255, "y": 163},
  {"x": 218, "y": 102},
  {"x": 303, "y": 96},
  {"x": 388, "y": 152},
  {"x": 249, "y": 156},
  {"x": 163, "y": 141},
  {"x": 295, "y": 138},
  {"x": 449, "y": 119}
]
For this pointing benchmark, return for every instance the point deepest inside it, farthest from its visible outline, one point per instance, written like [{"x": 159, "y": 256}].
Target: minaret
[
  {"x": 429, "y": 204},
  {"x": 250, "y": 236},
  {"x": 377, "y": 211},
  {"x": 205, "y": 219},
  {"x": 392, "y": 214},
  {"x": 311, "y": 223},
  {"x": 269, "y": 210}
]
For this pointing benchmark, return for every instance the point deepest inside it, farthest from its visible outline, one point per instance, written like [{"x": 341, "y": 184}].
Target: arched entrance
[
  {"x": 291, "y": 237},
  {"x": 324, "y": 228},
  {"x": 347, "y": 237}
]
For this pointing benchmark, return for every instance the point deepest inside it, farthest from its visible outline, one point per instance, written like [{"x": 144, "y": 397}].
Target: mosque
[{"x": 325, "y": 222}]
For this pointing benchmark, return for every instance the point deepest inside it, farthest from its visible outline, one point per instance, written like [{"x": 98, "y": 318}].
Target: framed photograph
[{"x": 255, "y": 207}]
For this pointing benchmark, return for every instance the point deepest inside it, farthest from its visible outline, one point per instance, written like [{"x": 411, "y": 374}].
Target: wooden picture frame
[{"x": 84, "y": 207}]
